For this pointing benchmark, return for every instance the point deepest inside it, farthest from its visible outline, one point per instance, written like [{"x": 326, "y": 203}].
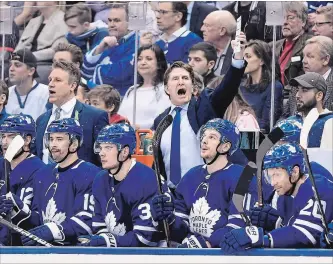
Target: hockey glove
[
  {"x": 326, "y": 240},
  {"x": 103, "y": 240},
  {"x": 49, "y": 232},
  {"x": 265, "y": 217},
  {"x": 162, "y": 208},
  {"x": 6, "y": 205},
  {"x": 194, "y": 241},
  {"x": 242, "y": 239}
]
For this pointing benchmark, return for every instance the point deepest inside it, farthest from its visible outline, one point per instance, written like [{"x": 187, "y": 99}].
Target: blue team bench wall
[{"x": 164, "y": 251}]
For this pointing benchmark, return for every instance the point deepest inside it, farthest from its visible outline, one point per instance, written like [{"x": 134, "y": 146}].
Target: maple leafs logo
[
  {"x": 202, "y": 220},
  {"x": 51, "y": 214},
  {"x": 111, "y": 224}
]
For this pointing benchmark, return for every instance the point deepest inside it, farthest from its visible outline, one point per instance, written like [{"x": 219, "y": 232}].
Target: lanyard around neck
[{"x": 22, "y": 105}]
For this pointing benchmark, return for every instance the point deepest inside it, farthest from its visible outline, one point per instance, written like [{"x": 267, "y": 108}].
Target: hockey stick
[
  {"x": 162, "y": 126},
  {"x": 24, "y": 232},
  {"x": 307, "y": 124},
  {"x": 242, "y": 188},
  {"x": 264, "y": 147},
  {"x": 14, "y": 146}
]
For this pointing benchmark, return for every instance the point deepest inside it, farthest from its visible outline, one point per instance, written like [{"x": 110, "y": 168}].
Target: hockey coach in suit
[{"x": 63, "y": 82}]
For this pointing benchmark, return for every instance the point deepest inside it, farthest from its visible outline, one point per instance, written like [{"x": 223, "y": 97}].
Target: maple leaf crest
[
  {"x": 202, "y": 221},
  {"x": 51, "y": 214},
  {"x": 112, "y": 226}
]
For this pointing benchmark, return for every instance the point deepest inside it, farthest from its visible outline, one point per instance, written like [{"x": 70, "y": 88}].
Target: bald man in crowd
[{"x": 219, "y": 28}]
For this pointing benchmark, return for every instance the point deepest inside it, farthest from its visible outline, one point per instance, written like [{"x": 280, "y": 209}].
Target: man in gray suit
[{"x": 317, "y": 57}]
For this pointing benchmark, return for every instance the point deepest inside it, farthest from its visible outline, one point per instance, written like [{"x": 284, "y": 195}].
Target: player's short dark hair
[
  {"x": 208, "y": 49},
  {"x": 108, "y": 94},
  {"x": 75, "y": 51},
  {"x": 182, "y": 8},
  {"x": 4, "y": 90},
  {"x": 72, "y": 70},
  {"x": 79, "y": 10},
  {"x": 178, "y": 64}
]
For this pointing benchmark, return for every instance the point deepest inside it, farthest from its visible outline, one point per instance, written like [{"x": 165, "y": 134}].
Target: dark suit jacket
[
  {"x": 227, "y": 60},
  {"x": 198, "y": 15},
  {"x": 212, "y": 103},
  {"x": 92, "y": 121},
  {"x": 293, "y": 69}
]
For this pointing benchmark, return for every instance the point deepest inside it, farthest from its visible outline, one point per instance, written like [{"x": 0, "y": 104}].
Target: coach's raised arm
[{"x": 190, "y": 113}]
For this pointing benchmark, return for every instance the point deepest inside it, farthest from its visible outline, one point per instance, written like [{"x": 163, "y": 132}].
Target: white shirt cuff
[
  {"x": 239, "y": 64},
  {"x": 93, "y": 58}
]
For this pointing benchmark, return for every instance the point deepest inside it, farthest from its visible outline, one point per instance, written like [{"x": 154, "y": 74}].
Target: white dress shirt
[
  {"x": 326, "y": 74},
  {"x": 66, "y": 112},
  {"x": 189, "y": 145},
  {"x": 179, "y": 32}
]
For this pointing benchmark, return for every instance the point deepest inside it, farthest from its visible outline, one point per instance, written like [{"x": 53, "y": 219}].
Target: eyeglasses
[
  {"x": 319, "y": 24},
  {"x": 163, "y": 12}
]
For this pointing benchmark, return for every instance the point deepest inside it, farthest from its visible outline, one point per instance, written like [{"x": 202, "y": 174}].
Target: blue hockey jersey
[
  {"x": 115, "y": 66},
  {"x": 178, "y": 49},
  {"x": 320, "y": 134},
  {"x": 64, "y": 197},
  {"x": 301, "y": 218},
  {"x": 123, "y": 209},
  {"x": 204, "y": 204},
  {"x": 21, "y": 184}
]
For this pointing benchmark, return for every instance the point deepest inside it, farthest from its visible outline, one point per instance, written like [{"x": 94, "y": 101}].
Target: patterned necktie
[
  {"x": 175, "y": 170},
  {"x": 57, "y": 113}
]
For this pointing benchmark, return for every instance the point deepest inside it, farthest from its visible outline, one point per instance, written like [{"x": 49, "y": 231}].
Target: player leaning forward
[
  {"x": 24, "y": 166},
  {"x": 203, "y": 211},
  {"x": 62, "y": 205},
  {"x": 300, "y": 215},
  {"x": 122, "y": 193}
]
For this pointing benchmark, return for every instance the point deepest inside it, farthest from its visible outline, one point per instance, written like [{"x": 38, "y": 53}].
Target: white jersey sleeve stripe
[
  {"x": 104, "y": 230},
  {"x": 84, "y": 214},
  {"x": 306, "y": 233},
  {"x": 144, "y": 228},
  {"x": 233, "y": 226},
  {"x": 98, "y": 224},
  {"x": 309, "y": 224},
  {"x": 82, "y": 224},
  {"x": 234, "y": 216},
  {"x": 145, "y": 241},
  {"x": 181, "y": 215}
]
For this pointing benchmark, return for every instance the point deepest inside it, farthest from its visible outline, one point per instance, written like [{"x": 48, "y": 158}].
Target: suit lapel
[
  {"x": 192, "y": 115},
  {"x": 227, "y": 60},
  {"x": 76, "y": 114}
]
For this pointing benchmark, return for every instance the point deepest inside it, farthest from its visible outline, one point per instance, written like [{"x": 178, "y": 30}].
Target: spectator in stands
[
  {"x": 72, "y": 53},
  {"x": 111, "y": 62},
  {"x": 311, "y": 90},
  {"x": 81, "y": 32},
  {"x": 253, "y": 15},
  {"x": 317, "y": 57},
  {"x": 257, "y": 90},
  {"x": 64, "y": 80},
  {"x": 106, "y": 98},
  {"x": 101, "y": 9},
  {"x": 151, "y": 99},
  {"x": 323, "y": 25},
  {"x": 44, "y": 32},
  {"x": 180, "y": 145},
  {"x": 26, "y": 96},
  {"x": 202, "y": 59},
  {"x": 219, "y": 27},
  {"x": 198, "y": 85},
  {"x": 289, "y": 49},
  {"x": 3, "y": 101},
  {"x": 196, "y": 13},
  {"x": 176, "y": 40}
]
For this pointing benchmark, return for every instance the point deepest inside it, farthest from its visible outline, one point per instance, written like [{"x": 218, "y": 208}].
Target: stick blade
[{"x": 14, "y": 146}]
